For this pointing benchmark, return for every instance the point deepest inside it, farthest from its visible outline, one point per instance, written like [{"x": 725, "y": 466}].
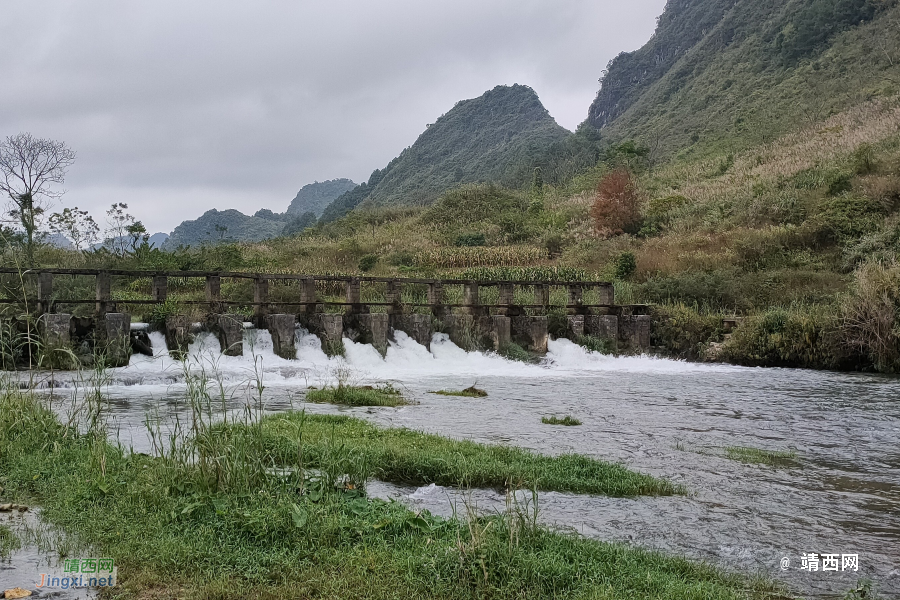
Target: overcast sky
[{"x": 176, "y": 107}]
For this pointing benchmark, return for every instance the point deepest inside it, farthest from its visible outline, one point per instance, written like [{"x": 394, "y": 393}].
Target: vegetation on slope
[
  {"x": 216, "y": 226},
  {"x": 725, "y": 75}
]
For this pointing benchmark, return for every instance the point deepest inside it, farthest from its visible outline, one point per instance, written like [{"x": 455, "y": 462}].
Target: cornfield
[
  {"x": 452, "y": 258},
  {"x": 548, "y": 274}
]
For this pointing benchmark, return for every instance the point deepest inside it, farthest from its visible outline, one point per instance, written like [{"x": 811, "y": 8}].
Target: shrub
[
  {"x": 863, "y": 159},
  {"x": 850, "y": 216},
  {"x": 368, "y": 262},
  {"x": 871, "y": 314},
  {"x": 553, "y": 243},
  {"x": 840, "y": 184},
  {"x": 469, "y": 240},
  {"x": 684, "y": 331},
  {"x": 615, "y": 209},
  {"x": 626, "y": 265},
  {"x": 805, "y": 337},
  {"x": 403, "y": 258}
]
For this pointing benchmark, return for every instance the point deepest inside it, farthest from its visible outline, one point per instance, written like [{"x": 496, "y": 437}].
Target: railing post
[
  {"x": 104, "y": 290},
  {"x": 260, "y": 300},
  {"x": 308, "y": 294},
  {"x": 436, "y": 298},
  {"x": 214, "y": 293},
  {"x": 575, "y": 299},
  {"x": 506, "y": 300},
  {"x": 542, "y": 295},
  {"x": 471, "y": 301},
  {"x": 160, "y": 288},
  {"x": 45, "y": 292},
  {"x": 393, "y": 294},
  {"x": 354, "y": 296}
]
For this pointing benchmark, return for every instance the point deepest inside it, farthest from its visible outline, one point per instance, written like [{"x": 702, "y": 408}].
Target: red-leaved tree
[{"x": 616, "y": 205}]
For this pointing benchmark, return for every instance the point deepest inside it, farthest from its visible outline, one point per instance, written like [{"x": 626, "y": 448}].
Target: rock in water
[{"x": 16, "y": 593}]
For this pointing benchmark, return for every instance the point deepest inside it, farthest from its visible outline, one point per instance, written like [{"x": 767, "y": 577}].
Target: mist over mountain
[{"x": 314, "y": 197}]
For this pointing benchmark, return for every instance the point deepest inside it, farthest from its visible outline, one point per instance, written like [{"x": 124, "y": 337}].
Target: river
[{"x": 840, "y": 495}]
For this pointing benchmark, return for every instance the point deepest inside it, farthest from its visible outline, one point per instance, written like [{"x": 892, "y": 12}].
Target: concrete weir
[{"x": 372, "y": 311}]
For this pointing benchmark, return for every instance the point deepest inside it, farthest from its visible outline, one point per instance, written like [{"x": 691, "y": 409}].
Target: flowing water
[{"x": 839, "y": 495}]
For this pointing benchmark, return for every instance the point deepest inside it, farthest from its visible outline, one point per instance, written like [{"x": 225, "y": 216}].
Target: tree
[
  {"x": 615, "y": 208},
  {"x": 29, "y": 169},
  {"x": 299, "y": 224},
  {"x": 76, "y": 225},
  {"x": 123, "y": 233}
]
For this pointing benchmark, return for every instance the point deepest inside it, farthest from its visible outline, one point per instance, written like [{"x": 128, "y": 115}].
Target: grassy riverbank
[{"x": 211, "y": 519}]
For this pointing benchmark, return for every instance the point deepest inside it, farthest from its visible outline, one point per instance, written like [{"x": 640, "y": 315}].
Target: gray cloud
[{"x": 177, "y": 107}]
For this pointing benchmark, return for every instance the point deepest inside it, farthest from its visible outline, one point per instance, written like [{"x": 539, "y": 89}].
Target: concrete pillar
[
  {"x": 260, "y": 300},
  {"x": 116, "y": 339},
  {"x": 418, "y": 327},
  {"x": 330, "y": 330},
  {"x": 501, "y": 332},
  {"x": 56, "y": 331},
  {"x": 45, "y": 292},
  {"x": 282, "y": 328},
  {"x": 461, "y": 329},
  {"x": 393, "y": 294},
  {"x": 575, "y": 327},
  {"x": 178, "y": 336},
  {"x": 634, "y": 332},
  {"x": 373, "y": 329},
  {"x": 159, "y": 290},
  {"x": 530, "y": 333},
  {"x": 436, "y": 299},
  {"x": 604, "y": 327},
  {"x": 104, "y": 290},
  {"x": 230, "y": 331}
]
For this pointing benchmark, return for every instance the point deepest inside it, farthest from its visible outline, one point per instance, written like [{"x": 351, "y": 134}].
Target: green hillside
[
  {"x": 314, "y": 197},
  {"x": 724, "y": 75},
  {"x": 499, "y": 137},
  {"x": 217, "y": 226}
]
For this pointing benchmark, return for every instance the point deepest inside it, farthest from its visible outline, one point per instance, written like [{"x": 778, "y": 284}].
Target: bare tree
[
  {"x": 77, "y": 226},
  {"x": 29, "y": 168}
]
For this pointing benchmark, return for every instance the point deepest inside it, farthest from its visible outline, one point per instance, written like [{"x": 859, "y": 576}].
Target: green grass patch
[
  {"x": 177, "y": 527},
  {"x": 513, "y": 351},
  {"x": 9, "y": 541},
  {"x": 554, "y": 420},
  {"x": 759, "y": 456},
  {"x": 366, "y": 395},
  {"x": 469, "y": 392},
  {"x": 405, "y": 456}
]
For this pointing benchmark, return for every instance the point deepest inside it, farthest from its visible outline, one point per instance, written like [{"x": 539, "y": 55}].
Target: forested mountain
[
  {"x": 739, "y": 72},
  {"x": 216, "y": 226},
  {"x": 314, "y": 197},
  {"x": 499, "y": 137}
]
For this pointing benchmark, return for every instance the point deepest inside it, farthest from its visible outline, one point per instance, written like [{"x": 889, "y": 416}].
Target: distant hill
[
  {"x": 729, "y": 74},
  {"x": 314, "y": 197},
  {"x": 216, "y": 226},
  {"x": 498, "y": 137}
]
